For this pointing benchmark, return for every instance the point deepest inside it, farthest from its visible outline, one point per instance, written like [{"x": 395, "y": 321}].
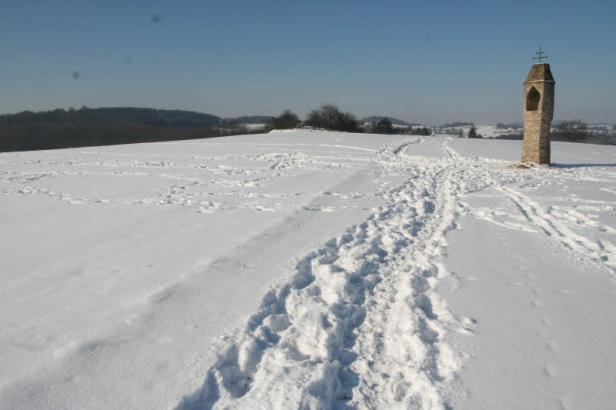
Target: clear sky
[{"x": 425, "y": 61}]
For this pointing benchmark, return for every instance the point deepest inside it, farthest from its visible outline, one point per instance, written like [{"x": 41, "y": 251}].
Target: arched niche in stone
[{"x": 532, "y": 99}]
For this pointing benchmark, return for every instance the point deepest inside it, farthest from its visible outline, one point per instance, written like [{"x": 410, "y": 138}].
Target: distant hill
[
  {"x": 104, "y": 126},
  {"x": 457, "y": 124},
  {"x": 125, "y": 115},
  {"x": 394, "y": 121},
  {"x": 253, "y": 119}
]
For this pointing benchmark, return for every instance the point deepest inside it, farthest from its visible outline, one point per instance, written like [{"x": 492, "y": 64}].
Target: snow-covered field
[{"x": 308, "y": 269}]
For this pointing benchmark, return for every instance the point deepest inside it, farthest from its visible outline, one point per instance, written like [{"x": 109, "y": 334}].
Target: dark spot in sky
[
  {"x": 156, "y": 18},
  {"x": 75, "y": 75},
  {"x": 427, "y": 37}
]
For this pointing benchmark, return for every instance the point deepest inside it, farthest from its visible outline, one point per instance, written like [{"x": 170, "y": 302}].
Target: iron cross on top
[{"x": 541, "y": 55}]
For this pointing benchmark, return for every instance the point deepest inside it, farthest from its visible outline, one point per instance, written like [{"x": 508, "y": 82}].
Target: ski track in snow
[
  {"x": 360, "y": 324},
  {"x": 563, "y": 224},
  {"x": 602, "y": 251}
]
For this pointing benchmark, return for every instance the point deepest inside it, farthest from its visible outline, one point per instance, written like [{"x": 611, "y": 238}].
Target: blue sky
[{"x": 416, "y": 60}]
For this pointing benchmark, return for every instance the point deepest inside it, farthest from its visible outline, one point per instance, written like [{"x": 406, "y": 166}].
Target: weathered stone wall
[{"x": 537, "y": 122}]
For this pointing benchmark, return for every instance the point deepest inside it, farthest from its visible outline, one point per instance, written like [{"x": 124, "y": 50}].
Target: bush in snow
[{"x": 472, "y": 132}]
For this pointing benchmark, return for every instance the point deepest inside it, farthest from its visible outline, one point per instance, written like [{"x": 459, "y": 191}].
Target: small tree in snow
[{"x": 472, "y": 132}]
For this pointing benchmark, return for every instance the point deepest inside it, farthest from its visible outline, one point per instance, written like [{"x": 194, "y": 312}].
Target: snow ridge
[{"x": 360, "y": 323}]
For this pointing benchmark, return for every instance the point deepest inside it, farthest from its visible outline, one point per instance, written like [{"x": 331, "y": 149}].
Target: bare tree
[
  {"x": 286, "y": 120},
  {"x": 331, "y": 118}
]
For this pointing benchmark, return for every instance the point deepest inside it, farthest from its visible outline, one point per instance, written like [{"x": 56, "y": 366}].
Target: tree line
[
  {"x": 572, "y": 131},
  {"x": 329, "y": 117},
  {"x": 125, "y": 125}
]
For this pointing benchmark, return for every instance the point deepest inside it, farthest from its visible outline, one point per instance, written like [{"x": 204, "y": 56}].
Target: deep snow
[{"x": 308, "y": 269}]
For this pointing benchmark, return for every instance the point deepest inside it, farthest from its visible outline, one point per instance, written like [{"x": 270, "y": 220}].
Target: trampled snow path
[{"x": 359, "y": 324}]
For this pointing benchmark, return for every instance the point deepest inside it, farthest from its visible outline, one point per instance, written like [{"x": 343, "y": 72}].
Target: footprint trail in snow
[{"x": 360, "y": 323}]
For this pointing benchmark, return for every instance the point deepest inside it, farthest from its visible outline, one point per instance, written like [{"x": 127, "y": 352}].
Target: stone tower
[{"x": 538, "y": 113}]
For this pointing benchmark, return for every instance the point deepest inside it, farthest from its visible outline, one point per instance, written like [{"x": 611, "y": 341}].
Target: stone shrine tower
[{"x": 538, "y": 113}]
